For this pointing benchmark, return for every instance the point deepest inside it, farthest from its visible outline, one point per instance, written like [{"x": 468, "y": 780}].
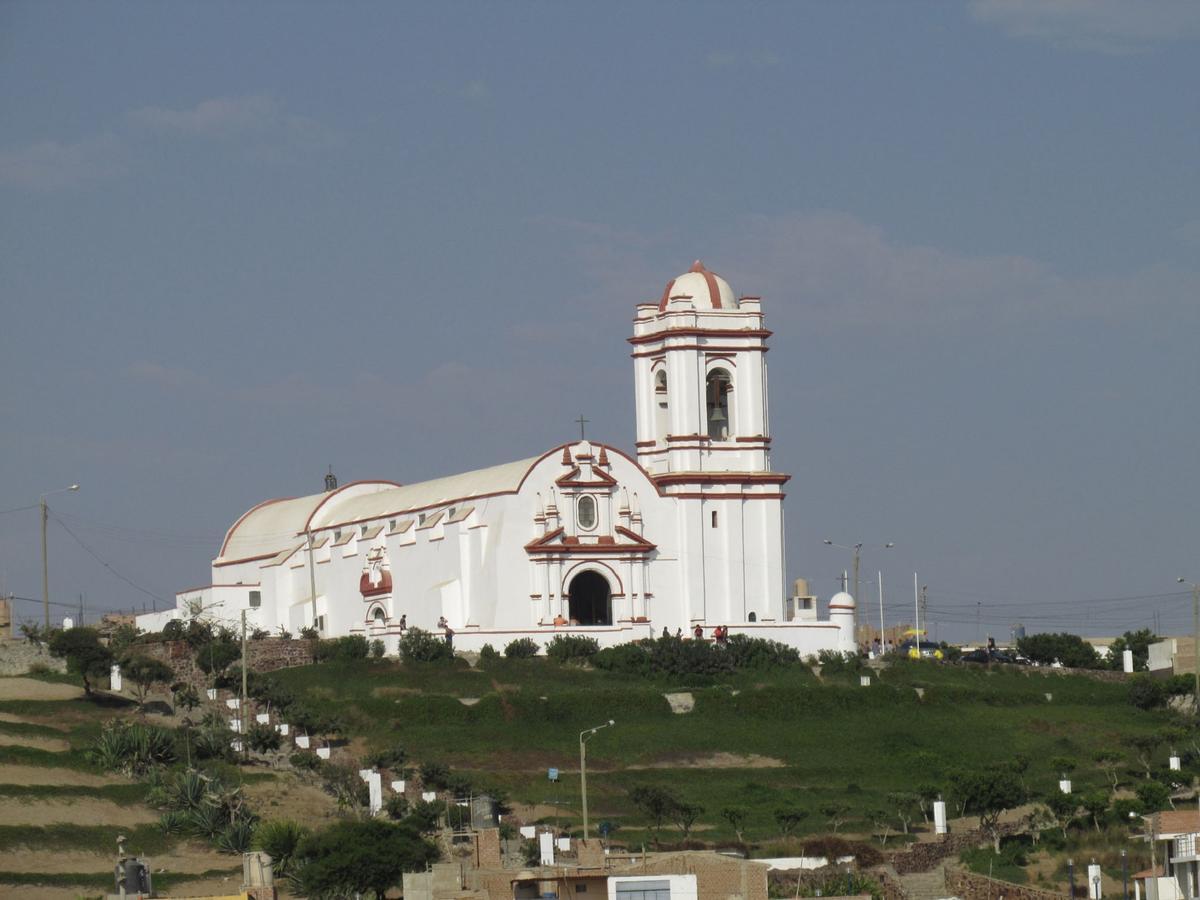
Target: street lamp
[
  {"x": 1195, "y": 635},
  {"x": 856, "y": 549},
  {"x": 45, "y": 563},
  {"x": 583, "y": 739}
]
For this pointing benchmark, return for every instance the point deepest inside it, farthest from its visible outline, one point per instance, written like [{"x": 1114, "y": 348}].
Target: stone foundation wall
[
  {"x": 265, "y": 655},
  {"x": 18, "y": 657},
  {"x": 969, "y": 886}
]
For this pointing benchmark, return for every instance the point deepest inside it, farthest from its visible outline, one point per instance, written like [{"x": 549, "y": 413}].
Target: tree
[
  {"x": 789, "y": 820},
  {"x": 882, "y": 823},
  {"x": 989, "y": 794},
  {"x": 1066, "y": 649},
  {"x": 417, "y": 645},
  {"x": 1144, "y": 745},
  {"x": 655, "y": 804},
  {"x": 183, "y": 694},
  {"x": 280, "y": 838},
  {"x": 1062, "y": 809},
  {"x": 1064, "y": 764},
  {"x": 736, "y": 817},
  {"x": 353, "y": 857},
  {"x": 215, "y": 655},
  {"x": 1137, "y": 641},
  {"x": 926, "y": 795},
  {"x": 684, "y": 815},
  {"x": 1109, "y": 760},
  {"x": 1154, "y": 795},
  {"x": 906, "y": 805},
  {"x": 1095, "y": 804},
  {"x": 145, "y": 672},
  {"x": 85, "y": 655},
  {"x": 836, "y": 814}
]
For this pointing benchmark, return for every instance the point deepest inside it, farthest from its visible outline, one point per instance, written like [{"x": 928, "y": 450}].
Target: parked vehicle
[{"x": 922, "y": 650}]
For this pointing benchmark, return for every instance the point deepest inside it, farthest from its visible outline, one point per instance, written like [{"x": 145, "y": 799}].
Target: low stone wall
[
  {"x": 18, "y": 657},
  {"x": 923, "y": 856},
  {"x": 265, "y": 655},
  {"x": 969, "y": 886}
]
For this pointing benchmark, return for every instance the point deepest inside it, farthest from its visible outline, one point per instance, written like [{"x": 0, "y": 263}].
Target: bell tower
[{"x": 700, "y": 378}]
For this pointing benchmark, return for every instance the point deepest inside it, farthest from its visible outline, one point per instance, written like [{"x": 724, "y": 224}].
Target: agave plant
[
  {"x": 207, "y": 820},
  {"x": 236, "y": 837},
  {"x": 173, "y": 821},
  {"x": 280, "y": 838},
  {"x": 188, "y": 791}
]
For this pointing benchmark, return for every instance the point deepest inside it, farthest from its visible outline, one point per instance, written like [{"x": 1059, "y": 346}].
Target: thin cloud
[
  {"x": 1109, "y": 26},
  {"x": 260, "y": 119},
  {"x": 53, "y": 165},
  {"x": 476, "y": 91}
]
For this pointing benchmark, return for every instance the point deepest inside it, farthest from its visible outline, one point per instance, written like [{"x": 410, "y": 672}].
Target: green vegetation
[
  {"x": 813, "y": 737},
  {"x": 85, "y": 655},
  {"x": 352, "y": 857},
  {"x": 93, "y": 838}
]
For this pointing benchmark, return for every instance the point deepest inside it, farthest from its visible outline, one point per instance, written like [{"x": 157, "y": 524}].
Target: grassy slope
[{"x": 837, "y": 740}]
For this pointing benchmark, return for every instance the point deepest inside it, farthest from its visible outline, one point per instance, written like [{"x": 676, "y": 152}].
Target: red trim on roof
[
  {"x": 242, "y": 518},
  {"x": 662, "y": 304},
  {"x": 329, "y": 496}
]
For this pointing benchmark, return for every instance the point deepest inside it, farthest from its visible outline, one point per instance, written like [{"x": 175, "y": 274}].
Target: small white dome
[
  {"x": 698, "y": 289},
  {"x": 841, "y": 600}
]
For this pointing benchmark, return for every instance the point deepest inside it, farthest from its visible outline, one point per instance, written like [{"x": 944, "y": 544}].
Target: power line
[
  {"x": 96, "y": 556},
  {"x": 19, "y": 508}
]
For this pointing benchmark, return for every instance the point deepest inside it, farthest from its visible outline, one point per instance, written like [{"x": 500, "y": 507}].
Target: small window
[
  {"x": 714, "y": 518},
  {"x": 752, "y": 617},
  {"x": 391, "y": 524},
  {"x": 362, "y": 530},
  {"x": 421, "y": 519},
  {"x": 587, "y": 512},
  {"x": 337, "y": 534},
  {"x": 450, "y": 512},
  {"x": 379, "y": 615},
  {"x": 581, "y": 887},
  {"x": 255, "y": 599}
]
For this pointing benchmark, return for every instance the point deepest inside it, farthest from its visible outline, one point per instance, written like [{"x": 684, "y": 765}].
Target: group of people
[{"x": 720, "y": 634}]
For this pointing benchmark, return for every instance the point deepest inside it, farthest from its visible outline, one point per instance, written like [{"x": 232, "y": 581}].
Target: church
[{"x": 686, "y": 530}]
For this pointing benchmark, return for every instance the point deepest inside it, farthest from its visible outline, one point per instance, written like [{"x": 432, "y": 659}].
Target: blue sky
[{"x": 240, "y": 242}]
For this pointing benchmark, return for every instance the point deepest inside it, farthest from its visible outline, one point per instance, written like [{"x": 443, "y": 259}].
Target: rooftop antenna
[{"x": 330, "y": 480}]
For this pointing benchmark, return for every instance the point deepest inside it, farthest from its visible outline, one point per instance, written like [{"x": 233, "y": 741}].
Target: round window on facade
[{"x": 586, "y": 512}]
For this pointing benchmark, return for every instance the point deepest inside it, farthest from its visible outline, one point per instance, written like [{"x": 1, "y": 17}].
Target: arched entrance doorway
[{"x": 590, "y": 600}]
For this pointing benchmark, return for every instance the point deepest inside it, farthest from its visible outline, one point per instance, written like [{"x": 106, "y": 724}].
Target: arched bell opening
[
  {"x": 717, "y": 389},
  {"x": 590, "y": 599}
]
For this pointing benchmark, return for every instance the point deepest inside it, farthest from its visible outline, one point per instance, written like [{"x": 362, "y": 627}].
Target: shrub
[
  {"x": 522, "y": 648},
  {"x": 665, "y": 656},
  {"x": 174, "y": 630},
  {"x": 1146, "y": 692},
  {"x": 390, "y": 758},
  {"x": 488, "y": 654},
  {"x": 310, "y": 633},
  {"x": 396, "y": 807},
  {"x": 756, "y": 653},
  {"x": 377, "y": 649},
  {"x": 305, "y": 761},
  {"x": 834, "y": 663},
  {"x": 1068, "y": 649},
  {"x": 566, "y": 648},
  {"x": 353, "y": 646},
  {"x": 435, "y": 775},
  {"x": 418, "y": 645},
  {"x": 262, "y": 738}
]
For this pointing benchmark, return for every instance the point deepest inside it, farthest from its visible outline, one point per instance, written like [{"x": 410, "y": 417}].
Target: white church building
[{"x": 582, "y": 539}]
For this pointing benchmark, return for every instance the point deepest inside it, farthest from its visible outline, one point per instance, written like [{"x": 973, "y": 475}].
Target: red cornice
[
  {"x": 234, "y": 562},
  {"x": 755, "y": 438},
  {"x": 721, "y": 478},
  {"x": 546, "y": 544},
  {"x": 762, "y": 333},
  {"x": 571, "y": 479}
]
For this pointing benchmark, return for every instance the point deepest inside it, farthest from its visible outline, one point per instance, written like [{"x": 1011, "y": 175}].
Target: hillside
[{"x": 762, "y": 740}]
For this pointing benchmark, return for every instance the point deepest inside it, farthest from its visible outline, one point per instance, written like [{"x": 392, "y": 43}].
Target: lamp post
[
  {"x": 583, "y": 739},
  {"x": 856, "y": 549},
  {"x": 45, "y": 558},
  {"x": 1195, "y": 636}
]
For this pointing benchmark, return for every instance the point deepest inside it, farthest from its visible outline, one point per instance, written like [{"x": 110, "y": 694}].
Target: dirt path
[
  {"x": 194, "y": 858},
  {"x": 32, "y": 689},
  {"x": 23, "y": 720},
  {"x": 46, "y": 775},
  {"x": 716, "y": 761},
  {"x": 83, "y": 811},
  {"x": 54, "y": 745}
]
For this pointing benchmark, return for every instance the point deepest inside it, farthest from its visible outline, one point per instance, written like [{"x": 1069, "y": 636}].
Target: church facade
[{"x": 685, "y": 531}]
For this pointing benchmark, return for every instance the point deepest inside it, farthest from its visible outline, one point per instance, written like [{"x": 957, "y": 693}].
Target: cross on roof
[{"x": 582, "y": 422}]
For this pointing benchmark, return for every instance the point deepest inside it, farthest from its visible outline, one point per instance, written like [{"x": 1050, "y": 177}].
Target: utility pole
[
  {"x": 244, "y": 711},
  {"x": 45, "y": 566},
  {"x": 312, "y": 577},
  {"x": 1195, "y": 637},
  {"x": 924, "y": 607}
]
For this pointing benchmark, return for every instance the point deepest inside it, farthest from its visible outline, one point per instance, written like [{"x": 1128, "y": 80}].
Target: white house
[
  {"x": 583, "y": 538},
  {"x": 1176, "y": 874}
]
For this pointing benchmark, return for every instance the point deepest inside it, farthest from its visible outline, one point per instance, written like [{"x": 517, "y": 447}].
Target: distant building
[
  {"x": 686, "y": 532},
  {"x": 1173, "y": 656},
  {"x": 1176, "y": 874}
]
